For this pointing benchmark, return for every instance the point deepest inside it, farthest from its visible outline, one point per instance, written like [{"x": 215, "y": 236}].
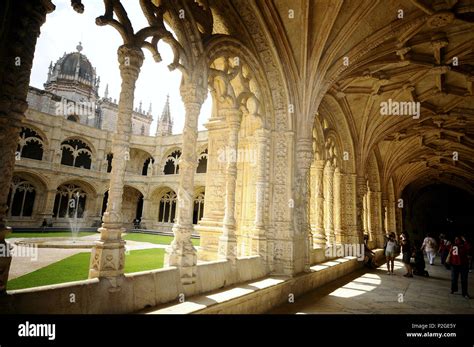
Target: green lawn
[
  {"x": 76, "y": 268},
  {"x": 155, "y": 239},
  {"x": 50, "y": 234}
]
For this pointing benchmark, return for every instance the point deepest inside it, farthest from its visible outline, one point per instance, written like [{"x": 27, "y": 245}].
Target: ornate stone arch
[
  {"x": 333, "y": 112},
  {"x": 225, "y": 46},
  {"x": 83, "y": 139},
  {"x": 31, "y": 186}
]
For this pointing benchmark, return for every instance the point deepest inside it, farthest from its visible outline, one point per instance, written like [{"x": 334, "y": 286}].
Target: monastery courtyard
[{"x": 251, "y": 158}]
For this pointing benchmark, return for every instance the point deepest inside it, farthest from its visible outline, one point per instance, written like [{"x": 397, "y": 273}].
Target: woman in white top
[
  {"x": 429, "y": 246},
  {"x": 390, "y": 246}
]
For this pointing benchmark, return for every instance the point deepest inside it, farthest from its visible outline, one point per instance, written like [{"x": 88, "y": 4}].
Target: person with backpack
[
  {"x": 458, "y": 259},
  {"x": 390, "y": 252},
  {"x": 429, "y": 246}
]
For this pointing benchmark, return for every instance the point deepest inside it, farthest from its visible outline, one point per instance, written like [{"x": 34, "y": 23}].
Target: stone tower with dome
[
  {"x": 73, "y": 77},
  {"x": 72, "y": 91}
]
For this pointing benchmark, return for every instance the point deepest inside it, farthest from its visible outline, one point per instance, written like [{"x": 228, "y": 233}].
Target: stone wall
[{"x": 129, "y": 293}]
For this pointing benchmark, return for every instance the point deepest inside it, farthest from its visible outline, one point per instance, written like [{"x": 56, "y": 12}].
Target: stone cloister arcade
[{"x": 298, "y": 154}]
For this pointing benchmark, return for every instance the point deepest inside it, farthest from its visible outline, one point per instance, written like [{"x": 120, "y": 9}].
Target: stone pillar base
[
  {"x": 259, "y": 243},
  {"x": 182, "y": 254},
  {"x": 331, "y": 239},
  {"x": 228, "y": 245},
  {"x": 209, "y": 233},
  {"x": 107, "y": 257},
  {"x": 319, "y": 238}
]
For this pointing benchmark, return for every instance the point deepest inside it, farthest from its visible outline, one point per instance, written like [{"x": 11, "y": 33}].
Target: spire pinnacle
[{"x": 165, "y": 125}]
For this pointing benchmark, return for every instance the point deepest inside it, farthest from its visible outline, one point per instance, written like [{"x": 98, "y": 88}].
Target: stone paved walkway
[{"x": 376, "y": 292}]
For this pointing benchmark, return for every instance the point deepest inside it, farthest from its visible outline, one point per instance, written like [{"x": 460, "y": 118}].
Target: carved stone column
[
  {"x": 108, "y": 255},
  {"x": 375, "y": 218},
  {"x": 329, "y": 203},
  {"x": 319, "y": 235},
  {"x": 361, "y": 192},
  {"x": 385, "y": 213},
  {"x": 259, "y": 238},
  {"x": 228, "y": 240},
  {"x": 398, "y": 220},
  {"x": 391, "y": 216},
  {"x": 378, "y": 211},
  {"x": 21, "y": 22},
  {"x": 210, "y": 226},
  {"x": 181, "y": 252},
  {"x": 339, "y": 237},
  {"x": 304, "y": 159},
  {"x": 369, "y": 202},
  {"x": 350, "y": 208}
]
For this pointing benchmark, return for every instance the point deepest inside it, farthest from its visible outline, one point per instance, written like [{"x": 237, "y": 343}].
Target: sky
[{"x": 65, "y": 28}]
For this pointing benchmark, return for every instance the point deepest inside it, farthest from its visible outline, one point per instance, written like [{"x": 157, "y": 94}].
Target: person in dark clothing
[
  {"x": 369, "y": 255},
  {"x": 419, "y": 269},
  {"x": 459, "y": 265},
  {"x": 443, "y": 250},
  {"x": 406, "y": 253}
]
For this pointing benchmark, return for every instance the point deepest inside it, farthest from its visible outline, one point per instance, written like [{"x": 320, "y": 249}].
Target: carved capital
[
  {"x": 193, "y": 93},
  {"x": 304, "y": 154},
  {"x": 130, "y": 60}
]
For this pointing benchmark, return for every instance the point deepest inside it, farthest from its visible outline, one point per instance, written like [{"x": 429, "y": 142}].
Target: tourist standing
[
  {"x": 390, "y": 248},
  {"x": 459, "y": 265},
  {"x": 444, "y": 245},
  {"x": 419, "y": 268},
  {"x": 429, "y": 246},
  {"x": 407, "y": 251}
]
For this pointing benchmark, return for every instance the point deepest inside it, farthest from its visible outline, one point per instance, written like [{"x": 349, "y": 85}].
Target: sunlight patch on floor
[{"x": 358, "y": 286}]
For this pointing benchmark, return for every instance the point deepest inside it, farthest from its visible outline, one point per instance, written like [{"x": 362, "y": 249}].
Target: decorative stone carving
[
  {"x": 181, "y": 252},
  {"x": 107, "y": 258},
  {"x": 329, "y": 203},
  {"x": 228, "y": 240},
  {"x": 304, "y": 158},
  {"x": 259, "y": 238},
  {"x": 338, "y": 232},
  {"x": 319, "y": 235},
  {"x": 361, "y": 192}
]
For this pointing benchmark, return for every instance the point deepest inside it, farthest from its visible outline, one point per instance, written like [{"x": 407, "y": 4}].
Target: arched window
[
  {"x": 198, "y": 208},
  {"x": 73, "y": 118},
  {"x": 104, "y": 202},
  {"x": 30, "y": 144},
  {"x": 110, "y": 157},
  {"x": 76, "y": 153},
  {"x": 167, "y": 211},
  {"x": 142, "y": 130},
  {"x": 21, "y": 198},
  {"x": 146, "y": 166},
  {"x": 172, "y": 163},
  {"x": 70, "y": 202},
  {"x": 202, "y": 162}
]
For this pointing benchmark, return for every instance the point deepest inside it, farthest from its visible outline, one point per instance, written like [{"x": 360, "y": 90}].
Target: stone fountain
[{"x": 64, "y": 242}]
